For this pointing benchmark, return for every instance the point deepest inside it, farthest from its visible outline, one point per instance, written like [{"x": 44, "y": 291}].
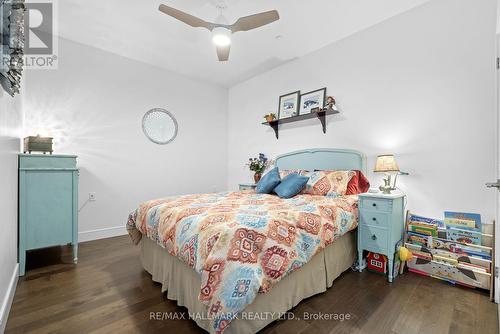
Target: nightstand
[
  {"x": 247, "y": 186},
  {"x": 381, "y": 225}
]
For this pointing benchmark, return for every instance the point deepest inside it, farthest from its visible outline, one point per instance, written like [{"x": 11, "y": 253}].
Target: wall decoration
[
  {"x": 11, "y": 44},
  {"x": 312, "y": 100},
  {"x": 160, "y": 126},
  {"x": 289, "y": 105}
]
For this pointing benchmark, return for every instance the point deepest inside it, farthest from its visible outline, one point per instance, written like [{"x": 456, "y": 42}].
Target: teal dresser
[
  {"x": 48, "y": 203},
  {"x": 381, "y": 225}
]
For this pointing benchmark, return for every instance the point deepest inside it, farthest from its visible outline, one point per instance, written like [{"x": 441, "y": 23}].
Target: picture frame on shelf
[
  {"x": 311, "y": 100},
  {"x": 289, "y": 105}
]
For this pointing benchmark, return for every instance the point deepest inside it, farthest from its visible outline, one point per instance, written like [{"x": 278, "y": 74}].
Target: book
[
  {"x": 463, "y": 220},
  {"x": 419, "y": 239},
  {"x": 461, "y": 249},
  {"x": 437, "y": 222},
  {"x": 464, "y": 236},
  {"x": 425, "y": 229}
]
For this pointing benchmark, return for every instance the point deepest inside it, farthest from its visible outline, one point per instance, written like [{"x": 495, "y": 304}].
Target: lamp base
[{"x": 386, "y": 189}]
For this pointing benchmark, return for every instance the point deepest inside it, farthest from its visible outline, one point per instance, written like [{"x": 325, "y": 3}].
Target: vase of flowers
[{"x": 258, "y": 166}]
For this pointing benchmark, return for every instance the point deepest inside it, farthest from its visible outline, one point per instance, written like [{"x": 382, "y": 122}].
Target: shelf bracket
[
  {"x": 274, "y": 125},
  {"x": 322, "y": 118}
]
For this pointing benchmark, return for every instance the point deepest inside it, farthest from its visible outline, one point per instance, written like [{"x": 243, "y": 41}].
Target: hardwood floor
[{"x": 109, "y": 292}]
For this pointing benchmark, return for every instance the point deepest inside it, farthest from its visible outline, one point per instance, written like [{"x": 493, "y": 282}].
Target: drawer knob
[
  {"x": 374, "y": 237},
  {"x": 374, "y": 204},
  {"x": 374, "y": 219}
]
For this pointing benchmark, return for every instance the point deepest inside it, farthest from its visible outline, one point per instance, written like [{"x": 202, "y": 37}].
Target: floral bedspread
[{"x": 242, "y": 243}]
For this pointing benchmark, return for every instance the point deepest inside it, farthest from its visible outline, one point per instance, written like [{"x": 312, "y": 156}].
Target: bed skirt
[{"x": 183, "y": 284}]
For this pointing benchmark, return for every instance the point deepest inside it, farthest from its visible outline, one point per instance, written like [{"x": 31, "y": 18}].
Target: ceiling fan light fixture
[{"x": 221, "y": 36}]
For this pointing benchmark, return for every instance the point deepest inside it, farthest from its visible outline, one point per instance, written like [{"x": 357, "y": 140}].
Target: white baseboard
[
  {"x": 9, "y": 297},
  {"x": 101, "y": 233}
]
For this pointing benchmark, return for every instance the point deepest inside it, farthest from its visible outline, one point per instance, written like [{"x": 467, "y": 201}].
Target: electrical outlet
[{"x": 92, "y": 197}]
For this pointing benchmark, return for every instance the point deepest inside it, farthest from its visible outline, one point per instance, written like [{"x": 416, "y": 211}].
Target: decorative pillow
[
  {"x": 286, "y": 172},
  {"x": 328, "y": 182},
  {"x": 268, "y": 182},
  {"x": 359, "y": 184},
  {"x": 291, "y": 185}
]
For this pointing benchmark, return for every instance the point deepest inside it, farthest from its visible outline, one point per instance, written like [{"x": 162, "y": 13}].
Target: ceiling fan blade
[
  {"x": 223, "y": 52},
  {"x": 254, "y": 21},
  {"x": 191, "y": 20}
]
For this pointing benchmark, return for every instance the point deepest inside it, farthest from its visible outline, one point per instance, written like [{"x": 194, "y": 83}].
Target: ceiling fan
[{"x": 221, "y": 31}]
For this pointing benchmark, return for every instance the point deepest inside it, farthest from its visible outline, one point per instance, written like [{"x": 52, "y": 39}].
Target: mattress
[{"x": 182, "y": 283}]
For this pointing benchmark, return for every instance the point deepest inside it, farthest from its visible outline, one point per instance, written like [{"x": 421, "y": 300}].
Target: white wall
[
  {"x": 10, "y": 131},
  {"x": 420, "y": 85},
  {"x": 93, "y": 106}
]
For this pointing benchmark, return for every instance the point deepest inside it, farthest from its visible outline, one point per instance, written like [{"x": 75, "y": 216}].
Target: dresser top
[
  {"x": 393, "y": 195},
  {"x": 47, "y": 155}
]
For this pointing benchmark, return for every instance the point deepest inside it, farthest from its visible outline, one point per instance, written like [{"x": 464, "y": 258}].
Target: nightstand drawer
[
  {"x": 374, "y": 218},
  {"x": 374, "y": 238},
  {"x": 376, "y": 204}
]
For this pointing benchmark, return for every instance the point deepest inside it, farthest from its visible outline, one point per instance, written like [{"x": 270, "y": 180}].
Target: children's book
[
  {"x": 462, "y": 220},
  {"x": 464, "y": 236},
  {"x": 437, "y": 222},
  {"x": 423, "y": 228},
  {"x": 419, "y": 239}
]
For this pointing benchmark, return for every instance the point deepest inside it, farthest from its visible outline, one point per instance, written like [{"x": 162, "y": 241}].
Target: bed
[{"x": 240, "y": 260}]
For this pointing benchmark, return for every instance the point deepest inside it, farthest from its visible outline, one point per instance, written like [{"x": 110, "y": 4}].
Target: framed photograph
[
  {"x": 289, "y": 105},
  {"x": 312, "y": 100}
]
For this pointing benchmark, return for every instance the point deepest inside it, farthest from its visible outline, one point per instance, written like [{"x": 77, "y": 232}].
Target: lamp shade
[{"x": 386, "y": 163}]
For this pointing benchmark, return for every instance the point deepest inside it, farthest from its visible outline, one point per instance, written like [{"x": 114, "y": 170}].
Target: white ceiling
[{"x": 137, "y": 30}]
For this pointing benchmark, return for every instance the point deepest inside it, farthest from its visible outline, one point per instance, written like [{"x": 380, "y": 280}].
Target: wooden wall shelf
[{"x": 321, "y": 115}]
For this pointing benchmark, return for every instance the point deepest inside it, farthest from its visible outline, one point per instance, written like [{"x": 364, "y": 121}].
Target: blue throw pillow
[
  {"x": 291, "y": 185},
  {"x": 267, "y": 184}
]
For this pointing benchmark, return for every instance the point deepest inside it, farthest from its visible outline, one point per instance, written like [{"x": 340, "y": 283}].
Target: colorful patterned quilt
[{"x": 242, "y": 243}]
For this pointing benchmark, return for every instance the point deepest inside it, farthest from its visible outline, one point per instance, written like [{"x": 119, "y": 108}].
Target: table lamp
[{"x": 387, "y": 164}]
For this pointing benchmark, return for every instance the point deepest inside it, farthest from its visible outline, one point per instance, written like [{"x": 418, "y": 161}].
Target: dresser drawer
[
  {"x": 374, "y": 218},
  {"x": 376, "y": 204},
  {"x": 374, "y": 238},
  {"x": 45, "y": 161}
]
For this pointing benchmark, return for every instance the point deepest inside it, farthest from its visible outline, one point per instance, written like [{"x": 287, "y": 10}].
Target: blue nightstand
[
  {"x": 247, "y": 186},
  {"x": 381, "y": 225}
]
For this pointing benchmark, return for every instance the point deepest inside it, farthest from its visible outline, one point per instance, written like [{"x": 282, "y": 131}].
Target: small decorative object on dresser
[
  {"x": 258, "y": 166},
  {"x": 312, "y": 100},
  {"x": 289, "y": 105},
  {"x": 48, "y": 203},
  {"x": 38, "y": 144},
  {"x": 381, "y": 226},
  {"x": 247, "y": 186}
]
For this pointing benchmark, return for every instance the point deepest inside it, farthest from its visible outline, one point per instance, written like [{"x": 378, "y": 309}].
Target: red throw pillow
[{"x": 359, "y": 184}]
